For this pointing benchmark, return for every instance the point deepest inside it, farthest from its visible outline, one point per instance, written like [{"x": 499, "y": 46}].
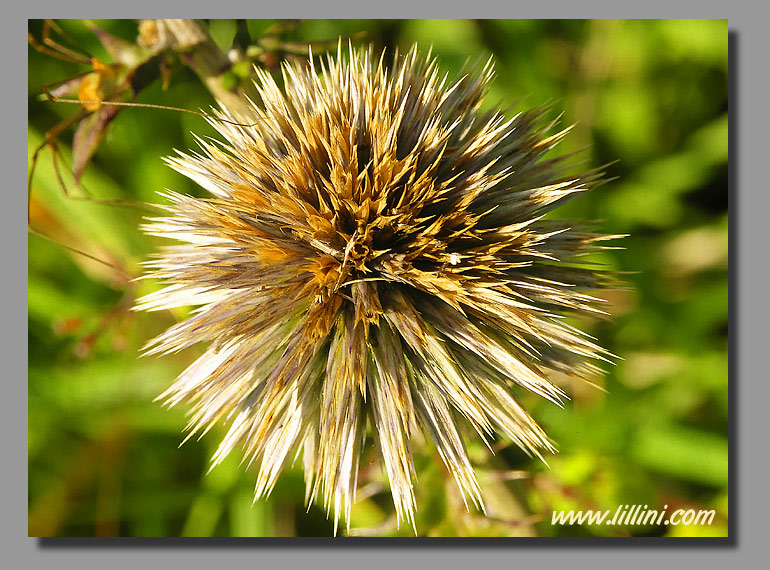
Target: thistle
[{"x": 374, "y": 253}]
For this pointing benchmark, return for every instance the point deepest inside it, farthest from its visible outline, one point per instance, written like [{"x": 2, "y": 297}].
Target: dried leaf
[{"x": 88, "y": 137}]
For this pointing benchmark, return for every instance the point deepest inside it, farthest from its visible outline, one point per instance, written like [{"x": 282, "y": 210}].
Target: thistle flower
[{"x": 374, "y": 254}]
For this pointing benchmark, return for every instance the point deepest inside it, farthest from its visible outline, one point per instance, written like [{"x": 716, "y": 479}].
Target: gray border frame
[{"x": 748, "y": 390}]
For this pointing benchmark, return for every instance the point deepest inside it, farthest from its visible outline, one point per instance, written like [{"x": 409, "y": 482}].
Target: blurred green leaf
[
  {"x": 686, "y": 453},
  {"x": 248, "y": 518}
]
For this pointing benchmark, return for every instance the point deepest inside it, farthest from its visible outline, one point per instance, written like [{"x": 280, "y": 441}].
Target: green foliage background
[{"x": 653, "y": 95}]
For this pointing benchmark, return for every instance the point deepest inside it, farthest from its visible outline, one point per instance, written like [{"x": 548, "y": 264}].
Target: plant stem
[{"x": 191, "y": 40}]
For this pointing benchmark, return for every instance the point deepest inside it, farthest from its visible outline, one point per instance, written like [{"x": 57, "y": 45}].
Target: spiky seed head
[{"x": 373, "y": 252}]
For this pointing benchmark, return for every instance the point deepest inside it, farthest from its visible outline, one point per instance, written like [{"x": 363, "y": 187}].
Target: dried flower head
[{"x": 374, "y": 253}]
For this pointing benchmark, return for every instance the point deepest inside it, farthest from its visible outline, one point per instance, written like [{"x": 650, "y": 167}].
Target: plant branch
[{"x": 191, "y": 40}]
